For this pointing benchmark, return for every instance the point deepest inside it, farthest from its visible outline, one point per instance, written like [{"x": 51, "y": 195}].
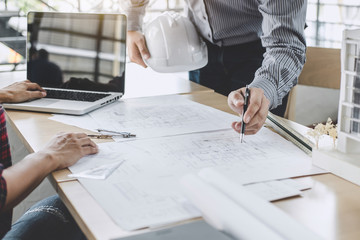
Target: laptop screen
[{"x": 77, "y": 51}]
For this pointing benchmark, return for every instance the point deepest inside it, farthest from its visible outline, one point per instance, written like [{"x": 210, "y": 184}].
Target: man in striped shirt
[{"x": 255, "y": 42}]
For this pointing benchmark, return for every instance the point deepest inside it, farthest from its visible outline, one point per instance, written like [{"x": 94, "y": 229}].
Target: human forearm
[
  {"x": 279, "y": 73},
  {"x": 4, "y": 96},
  {"x": 283, "y": 38},
  {"x": 62, "y": 151},
  {"x": 25, "y": 176},
  {"x": 135, "y": 11}
]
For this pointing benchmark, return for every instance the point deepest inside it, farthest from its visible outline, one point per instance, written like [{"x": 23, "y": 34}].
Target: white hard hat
[{"x": 174, "y": 44}]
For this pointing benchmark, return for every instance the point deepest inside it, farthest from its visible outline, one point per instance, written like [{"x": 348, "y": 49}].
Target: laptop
[{"x": 78, "y": 58}]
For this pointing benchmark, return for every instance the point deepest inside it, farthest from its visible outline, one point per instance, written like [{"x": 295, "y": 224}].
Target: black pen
[{"x": 246, "y": 103}]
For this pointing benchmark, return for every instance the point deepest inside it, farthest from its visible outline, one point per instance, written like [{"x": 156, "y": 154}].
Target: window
[
  {"x": 327, "y": 19},
  {"x": 13, "y": 21}
]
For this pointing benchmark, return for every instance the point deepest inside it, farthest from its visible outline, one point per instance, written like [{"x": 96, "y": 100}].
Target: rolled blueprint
[
  {"x": 230, "y": 196},
  {"x": 223, "y": 213}
]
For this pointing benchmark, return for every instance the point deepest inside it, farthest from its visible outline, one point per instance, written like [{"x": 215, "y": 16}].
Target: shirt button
[
  {"x": 209, "y": 35},
  {"x": 204, "y": 17}
]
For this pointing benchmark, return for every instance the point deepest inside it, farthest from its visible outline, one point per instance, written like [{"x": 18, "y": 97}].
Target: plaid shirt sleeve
[
  {"x": 2, "y": 188},
  {"x": 5, "y": 161},
  {"x": 5, "y": 158}
]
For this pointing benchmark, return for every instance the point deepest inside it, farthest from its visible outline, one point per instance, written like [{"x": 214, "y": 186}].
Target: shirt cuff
[
  {"x": 134, "y": 21},
  {"x": 270, "y": 91}
]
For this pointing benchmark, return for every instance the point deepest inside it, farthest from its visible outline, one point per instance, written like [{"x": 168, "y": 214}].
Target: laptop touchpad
[{"x": 42, "y": 102}]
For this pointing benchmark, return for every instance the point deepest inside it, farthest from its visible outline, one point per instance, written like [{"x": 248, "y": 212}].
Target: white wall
[{"x": 315, "y": 104}]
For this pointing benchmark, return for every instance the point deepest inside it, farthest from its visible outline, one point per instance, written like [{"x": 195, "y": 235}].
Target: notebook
[{"x": 79, "y": 59}]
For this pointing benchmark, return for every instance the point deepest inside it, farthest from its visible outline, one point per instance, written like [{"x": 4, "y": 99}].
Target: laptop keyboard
[{"x": 75, "y": 96}]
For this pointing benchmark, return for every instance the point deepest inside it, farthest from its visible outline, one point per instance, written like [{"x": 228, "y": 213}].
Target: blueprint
[
  {"x": 152, "y": 117},
  {"x": 144, "y": 190}
]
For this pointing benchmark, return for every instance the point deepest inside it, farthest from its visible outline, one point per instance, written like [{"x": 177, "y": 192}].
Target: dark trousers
[
  {"x": 48, "y": 219},
  {"x": 233, "y": 67}
]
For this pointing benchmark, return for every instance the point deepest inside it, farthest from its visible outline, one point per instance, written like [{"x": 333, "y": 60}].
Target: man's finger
[
  {"x": 87, "y": 142},
  {"x": 236, "y": 126},
  {"x": 255, "y": 102},
  {"x": 236, "y": 101},
  {"x": 144, "y": 52},
  {"x": 36, "y": 94},
  {"x": 34, "y": 86},
  {"x": 136, "y": 57},
  {"x": 141, "y": 45},
  {"x": 88, "y": 150},
  {"x": 251, "y": 131}
]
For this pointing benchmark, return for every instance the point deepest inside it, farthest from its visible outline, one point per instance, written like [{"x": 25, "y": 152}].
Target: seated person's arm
[
  {"x": 62, "y": 151},
  {"x": 21, "y": 92}
]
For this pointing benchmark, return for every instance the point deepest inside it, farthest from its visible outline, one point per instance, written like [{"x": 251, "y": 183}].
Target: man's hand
[
  {"x": 21, "y": 92},
  {"x": 137, "y": 49},
  {"x": 257, "y": 110},
  {"x": 65, "y": 149},
  {"x": 62, "y": 151}
]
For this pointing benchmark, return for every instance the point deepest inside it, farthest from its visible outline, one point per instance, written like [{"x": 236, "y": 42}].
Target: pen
[
  {"x": 101, "y": 136},
  {"x": 246, "y": 103},
  {"x": 124, "y": 134}
]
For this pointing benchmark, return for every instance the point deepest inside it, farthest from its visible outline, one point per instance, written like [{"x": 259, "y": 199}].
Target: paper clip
[{"x": 123, "y": 134}]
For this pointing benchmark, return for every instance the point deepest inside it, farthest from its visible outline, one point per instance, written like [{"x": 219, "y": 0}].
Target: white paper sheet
[
  {"x": 144, "y": 190},
  {"x": 84, "y": 121},
  {"x": 297, "y": 184},
  {"x": 108, "y": 155},
  {"x": 101, "y": 172},
  {"x": 153, "y": 117},
  {"x": 272, "y": 190},
  {"x": 277, "y": 189}
]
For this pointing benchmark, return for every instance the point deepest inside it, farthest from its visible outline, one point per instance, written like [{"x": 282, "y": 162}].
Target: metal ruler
[{"x": 289, "y": 133}]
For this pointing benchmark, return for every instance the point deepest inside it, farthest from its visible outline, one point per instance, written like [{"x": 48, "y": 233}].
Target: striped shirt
[
  {"x": 278, "y": 23},
  {"x": 5, "y": 161}
]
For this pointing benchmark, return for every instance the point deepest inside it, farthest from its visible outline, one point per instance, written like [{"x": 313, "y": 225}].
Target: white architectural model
[
  {"x": 349, "y": 104},
  {"x": 345, "y": 160}
]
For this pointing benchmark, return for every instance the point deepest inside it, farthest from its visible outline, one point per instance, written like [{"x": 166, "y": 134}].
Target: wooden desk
[
  {"x": 331, "y": 208},
  {"x": 139, "y": 82}
]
